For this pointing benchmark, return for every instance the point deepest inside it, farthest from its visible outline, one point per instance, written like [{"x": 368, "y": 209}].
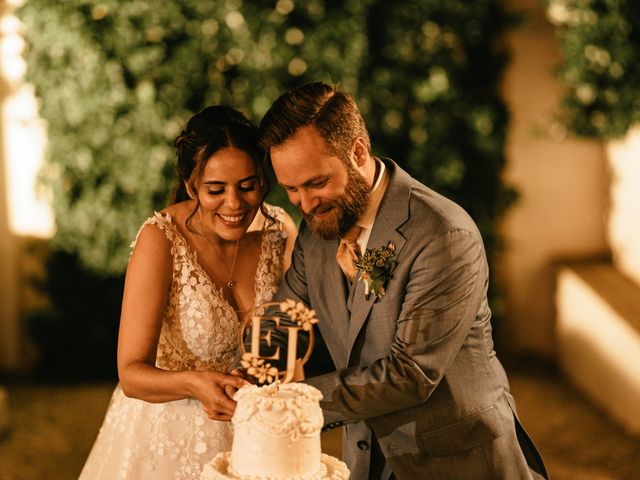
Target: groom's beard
[{"x": 349, "y": 208}]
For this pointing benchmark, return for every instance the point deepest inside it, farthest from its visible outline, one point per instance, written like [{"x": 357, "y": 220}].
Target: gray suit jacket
[{"x": 415, "y": 370}]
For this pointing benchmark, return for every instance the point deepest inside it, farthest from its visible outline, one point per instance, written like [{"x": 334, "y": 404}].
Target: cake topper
[{"x": 288, "y": 316}]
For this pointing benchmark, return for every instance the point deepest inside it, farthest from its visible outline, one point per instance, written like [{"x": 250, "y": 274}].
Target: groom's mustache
[{"x": 323, "y": 207}]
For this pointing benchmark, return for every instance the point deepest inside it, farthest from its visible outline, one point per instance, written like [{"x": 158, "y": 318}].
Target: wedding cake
[{"x": 276, "y": 436}]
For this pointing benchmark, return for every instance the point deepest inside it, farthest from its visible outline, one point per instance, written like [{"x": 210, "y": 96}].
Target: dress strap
[
  {"x": 278, "y": 215},
  {"x": 163, "y": 222}
]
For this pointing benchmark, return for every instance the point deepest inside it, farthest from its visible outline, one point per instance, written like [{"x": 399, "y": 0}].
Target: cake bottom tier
[{"x": 220, "y": 469}]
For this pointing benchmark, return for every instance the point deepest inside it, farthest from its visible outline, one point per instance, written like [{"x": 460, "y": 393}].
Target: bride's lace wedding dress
[{"x": 140, "y": 440}]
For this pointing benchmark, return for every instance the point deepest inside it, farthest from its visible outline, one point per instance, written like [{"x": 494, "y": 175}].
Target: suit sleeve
[{"x": 446, "y": 287}]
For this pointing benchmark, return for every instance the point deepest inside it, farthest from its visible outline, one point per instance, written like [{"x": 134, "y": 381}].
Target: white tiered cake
[{"x": 276, "y": 436}]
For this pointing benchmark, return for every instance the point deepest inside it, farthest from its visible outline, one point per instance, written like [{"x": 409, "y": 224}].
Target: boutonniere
[{"x": 376, "y": 268}]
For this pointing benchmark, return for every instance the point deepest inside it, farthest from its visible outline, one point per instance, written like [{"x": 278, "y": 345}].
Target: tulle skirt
[{"x": 140, "y": 440}]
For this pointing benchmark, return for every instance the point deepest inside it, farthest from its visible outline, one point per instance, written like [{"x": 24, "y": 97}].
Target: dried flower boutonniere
[{"x": 376, "y": 268}]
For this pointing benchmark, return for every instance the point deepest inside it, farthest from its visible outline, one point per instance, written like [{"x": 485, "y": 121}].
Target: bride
[{"x": 196, "y": 267}]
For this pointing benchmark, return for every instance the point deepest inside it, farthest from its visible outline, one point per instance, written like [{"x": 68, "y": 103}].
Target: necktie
[{"x": 347, "y": 251}]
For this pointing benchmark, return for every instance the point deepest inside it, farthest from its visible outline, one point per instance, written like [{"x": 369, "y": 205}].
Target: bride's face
[{"x": 229, "y": 193}]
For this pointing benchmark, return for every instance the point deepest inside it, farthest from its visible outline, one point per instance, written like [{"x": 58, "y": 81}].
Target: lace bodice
[
  {"x": 199, "y": 329},
  {"x": 174, "y": 440}
]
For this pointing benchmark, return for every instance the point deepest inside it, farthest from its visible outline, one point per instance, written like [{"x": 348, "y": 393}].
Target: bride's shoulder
[
  {"x": 277, "y": 219},
  {"x": 286, "y": 224},
  {"x": 160, "y": 229},
  {"x": 177, "y": 212},
  {"x": 154, "y": 238},
  {"x": 174, "y": 216},
  {"x": 277, "y": 213}
]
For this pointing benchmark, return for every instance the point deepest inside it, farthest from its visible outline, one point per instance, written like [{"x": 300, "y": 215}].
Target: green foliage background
[
  {"x": 599, "y": 40},
  {"x": 119, "y": 78}
]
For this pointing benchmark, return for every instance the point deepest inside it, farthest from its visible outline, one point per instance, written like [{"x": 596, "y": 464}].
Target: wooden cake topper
[{"x": 289, "y": 316}]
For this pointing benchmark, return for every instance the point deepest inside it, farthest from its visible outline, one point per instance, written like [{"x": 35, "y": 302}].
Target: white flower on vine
[
  {"x": 586, "y": 94},
  {"x": 558, "y": 12},
  {"x": 599, "y": 57}
]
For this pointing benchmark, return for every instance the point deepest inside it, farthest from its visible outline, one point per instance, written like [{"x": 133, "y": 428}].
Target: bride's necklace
[{"x": 231, "y": 283}]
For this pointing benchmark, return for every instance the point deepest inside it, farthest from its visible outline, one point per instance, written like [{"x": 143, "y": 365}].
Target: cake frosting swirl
[{"x": 276, "y": 436}]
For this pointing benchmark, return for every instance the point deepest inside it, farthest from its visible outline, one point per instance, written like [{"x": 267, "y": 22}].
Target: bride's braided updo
[{"x": 214, "y": 128}]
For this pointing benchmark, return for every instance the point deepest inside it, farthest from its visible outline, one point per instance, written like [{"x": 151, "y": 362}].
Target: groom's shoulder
[{"x": 431, "y": 212}]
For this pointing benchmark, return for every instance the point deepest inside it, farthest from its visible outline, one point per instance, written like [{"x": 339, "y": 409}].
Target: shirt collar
[{"x": 375, "y": 198}]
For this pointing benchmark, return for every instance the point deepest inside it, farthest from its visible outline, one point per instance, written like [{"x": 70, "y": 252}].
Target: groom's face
[{"x": 330, "y": 194}]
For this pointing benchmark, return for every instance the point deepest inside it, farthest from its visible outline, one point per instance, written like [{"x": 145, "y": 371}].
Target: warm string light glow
[
  {"x": 598, "y": 346},
  {"x": 24, "y": 137},
  {"x": 623, "y": 224},
  {"x": 24, "y": 145}
]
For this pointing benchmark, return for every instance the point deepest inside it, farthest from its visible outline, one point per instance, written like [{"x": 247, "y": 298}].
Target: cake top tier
[{"x": 290, "y": 409}]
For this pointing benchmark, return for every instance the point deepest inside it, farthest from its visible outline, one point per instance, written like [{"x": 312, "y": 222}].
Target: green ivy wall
[
  {"x": 118, "y": 78},
  {"x": 599, "y": 40}
]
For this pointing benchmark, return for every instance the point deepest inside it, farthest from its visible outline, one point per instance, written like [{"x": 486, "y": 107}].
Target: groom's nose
[{"x": 307, "y": 202}]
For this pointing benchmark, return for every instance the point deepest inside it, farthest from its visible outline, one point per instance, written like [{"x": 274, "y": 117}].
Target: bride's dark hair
[{"x": 214, "y": 128}]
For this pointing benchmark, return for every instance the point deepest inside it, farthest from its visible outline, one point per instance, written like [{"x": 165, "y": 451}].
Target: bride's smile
[{"x": 229, "y": 194}]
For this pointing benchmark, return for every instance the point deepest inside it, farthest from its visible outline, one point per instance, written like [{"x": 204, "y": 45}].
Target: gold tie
[{"x": 347, "y": 251}]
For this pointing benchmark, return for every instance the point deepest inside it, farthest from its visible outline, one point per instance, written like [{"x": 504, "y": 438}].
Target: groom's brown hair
[{"x": 332, "y": 112}]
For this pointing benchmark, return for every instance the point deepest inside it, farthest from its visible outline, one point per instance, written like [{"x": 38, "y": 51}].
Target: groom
[{"x": 417, "y": 384}]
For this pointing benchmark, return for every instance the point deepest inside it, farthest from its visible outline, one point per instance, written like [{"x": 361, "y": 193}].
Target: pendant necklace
[{"x": 231, "y": 283}]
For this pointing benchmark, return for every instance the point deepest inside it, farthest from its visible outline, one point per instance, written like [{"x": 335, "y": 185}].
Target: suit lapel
[{"x": 393, "y": 212}]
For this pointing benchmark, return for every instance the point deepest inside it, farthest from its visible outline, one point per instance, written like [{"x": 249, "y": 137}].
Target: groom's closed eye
[{"x": 318, "y": 184}]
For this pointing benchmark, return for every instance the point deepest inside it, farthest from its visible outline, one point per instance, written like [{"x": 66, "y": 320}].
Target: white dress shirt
[{"x": 377, "y": 192}]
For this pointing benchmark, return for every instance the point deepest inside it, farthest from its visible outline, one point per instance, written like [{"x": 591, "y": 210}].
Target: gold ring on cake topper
[{"x": 298, "y": 317}]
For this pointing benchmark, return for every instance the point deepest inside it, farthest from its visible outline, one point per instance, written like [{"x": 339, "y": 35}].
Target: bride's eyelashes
[{"x": 249, "y": 187}]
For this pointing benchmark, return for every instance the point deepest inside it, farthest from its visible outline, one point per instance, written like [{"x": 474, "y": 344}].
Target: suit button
[{"x": 362, "y": 445}]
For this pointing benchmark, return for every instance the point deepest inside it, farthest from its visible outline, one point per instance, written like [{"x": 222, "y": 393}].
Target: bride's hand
[
  {"x": 242, "y": 373},
  {"x": 230, "y": 390},
  {"x": 211, "y": 391}
]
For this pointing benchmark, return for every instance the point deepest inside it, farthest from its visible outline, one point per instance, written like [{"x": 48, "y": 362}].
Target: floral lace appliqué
[{"x": 174, "y": 440}]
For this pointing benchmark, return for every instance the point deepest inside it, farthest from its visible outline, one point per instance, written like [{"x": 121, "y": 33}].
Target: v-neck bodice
[{"x": 199, "y": 328}]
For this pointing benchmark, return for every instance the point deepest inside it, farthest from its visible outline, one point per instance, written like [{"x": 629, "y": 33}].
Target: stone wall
[
  {"x": 624, "y": 212},
  {"x": 598, "y": 303},
  {"x": 562, "y": 185}
]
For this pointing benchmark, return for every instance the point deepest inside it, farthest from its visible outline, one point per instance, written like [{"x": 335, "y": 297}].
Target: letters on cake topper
[{"x": 275, "y": 319}]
